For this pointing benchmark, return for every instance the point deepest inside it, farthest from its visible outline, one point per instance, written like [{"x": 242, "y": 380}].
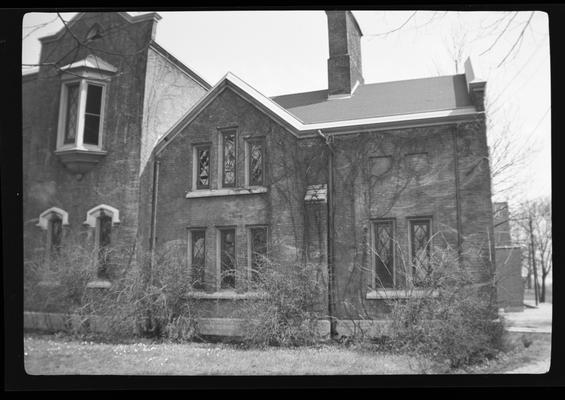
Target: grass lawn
[{"x": 59, "y": 355}]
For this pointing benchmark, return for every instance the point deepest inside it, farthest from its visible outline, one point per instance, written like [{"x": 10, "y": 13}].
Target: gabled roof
[
  {"x": 300, "y": 126},
  {"x": 380, "y": 99}
]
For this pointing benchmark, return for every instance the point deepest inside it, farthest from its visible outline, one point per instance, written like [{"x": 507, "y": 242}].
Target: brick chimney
[{"x": 344, "y": 64}]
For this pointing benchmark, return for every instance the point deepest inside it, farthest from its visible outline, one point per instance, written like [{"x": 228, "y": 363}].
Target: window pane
[
  {"x": 94, "y": 99},
  {"x": 203, "y": 173},
  {"x": 198, "y": 258},
  {"x": 228, "y": 259},
  {"x": 104, "y": 239},
  {"x": 229, "y": 159},
  {"x": 420, "y": 239},
  {"x": 258, "y": 251},
  {"x": 384, "y": 256},
  {"x": 91, "y": 129},
  {"x": 56, "y": 234},
  {"x": 72, "y": 113},
  {"x": 255, "y": 163}
]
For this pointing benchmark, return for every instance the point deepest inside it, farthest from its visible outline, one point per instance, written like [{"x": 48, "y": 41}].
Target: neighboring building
[
  {"x": 509, "y": 281},
  {"x": 398, "y": 167}
]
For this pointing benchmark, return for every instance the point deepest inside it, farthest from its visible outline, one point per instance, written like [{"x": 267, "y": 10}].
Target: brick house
[
  {"x": 353, "y": 178},
  {"x": 92, "y": 112}
]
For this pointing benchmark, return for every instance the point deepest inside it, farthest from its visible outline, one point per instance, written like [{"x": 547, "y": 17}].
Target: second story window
[
  {"x": 202, "y": 166},
  {"x": 228, "y": 149},
  {"x": 256, "y": 162},
  {"x": 81, "y": 114}
]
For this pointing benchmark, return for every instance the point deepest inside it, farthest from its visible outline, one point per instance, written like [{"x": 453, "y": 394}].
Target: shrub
[
  {"x": 153, "y": 307},
  {"x": 287, "y": 312},
  {"x": 452, "y": 321}
]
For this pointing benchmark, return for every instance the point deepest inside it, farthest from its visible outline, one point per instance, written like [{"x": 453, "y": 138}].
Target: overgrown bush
[
  {"x": 450, "y": 318},
  {"x": 154, "y": 306},
  {"x": 287, "y": 311}
]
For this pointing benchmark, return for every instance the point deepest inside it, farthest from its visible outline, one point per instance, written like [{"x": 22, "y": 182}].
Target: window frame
[
  {"x": 102, "y": 271},
  {"x": 250, "y": 228},
  {"x": 411, "y": 222},
  {"x": 219, "y": 251},
  {"x": 249, "y": 141},
  {"x": 196, "y": 165},
  {"x": 223, "y": 132},
  {"x": 81, "y": 114},
  {"x": 190, "y": 256},
  {"x": 54, "y": 250},
  {"x": 373, "y": 236}
]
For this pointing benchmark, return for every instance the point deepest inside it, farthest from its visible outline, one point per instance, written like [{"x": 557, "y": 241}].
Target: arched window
[
  {"x": 52, "y": 220},
  {"x": 102, "y": 218}
]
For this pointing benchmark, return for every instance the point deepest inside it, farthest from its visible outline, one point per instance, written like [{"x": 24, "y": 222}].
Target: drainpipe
[
  {"x": 330, "y": 237},
  {"x": 457, "y": 194},
  {"x": 152, "y": 238}
]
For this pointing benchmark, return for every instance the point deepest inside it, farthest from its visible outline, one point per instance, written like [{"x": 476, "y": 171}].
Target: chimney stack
[{"x": 344, "y": 64}]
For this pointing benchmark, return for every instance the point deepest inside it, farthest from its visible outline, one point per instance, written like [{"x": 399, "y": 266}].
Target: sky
[{"x": 279, "y": 52}]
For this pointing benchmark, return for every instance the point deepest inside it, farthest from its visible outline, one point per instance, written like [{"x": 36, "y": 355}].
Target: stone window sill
[
  {"x": 227, "y": 294},
  {"x": 99, "y": 284},
  {"x": 226, "y": 192},
  {"x": 399, "y": 293}
]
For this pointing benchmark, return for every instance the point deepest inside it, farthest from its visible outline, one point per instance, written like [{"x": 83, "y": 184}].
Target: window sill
[
  {"x": 227, "y": 294},
  {"x": 226, "y": 192},
  {"x": 79, "y": 160},
  {"x": 99, "y": 284},
  {"x": 400, "y": 294}
]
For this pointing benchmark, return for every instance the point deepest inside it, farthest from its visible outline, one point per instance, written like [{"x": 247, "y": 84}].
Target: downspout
[
  {"x": 457, "y": 194},
  {"x": 330, "y": 237},
  {"x": 152, "y": 237}
]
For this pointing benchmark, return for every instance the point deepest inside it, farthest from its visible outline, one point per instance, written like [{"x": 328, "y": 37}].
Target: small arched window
[
  {"x": 52, "y": 220},
  {"x": 102, "y": 218}
]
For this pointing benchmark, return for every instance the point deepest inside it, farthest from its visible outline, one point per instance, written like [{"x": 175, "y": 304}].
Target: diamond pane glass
[
  {"x": 256, "y": 164},
  {"x": 227, "y": 259},
  {"x": 229, "y": 159},
  {"x": 72, "y": 113},
  {"x": 258, "y": 251},
  {"x": 198, "y": 258},
  {"x": 420, "y": 239},
  {"x": 384, "y": 257},
  {"x": 203, "y": 178}
]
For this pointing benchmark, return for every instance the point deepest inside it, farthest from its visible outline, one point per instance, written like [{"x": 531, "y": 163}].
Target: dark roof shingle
[{"x": 380, "y": 99}]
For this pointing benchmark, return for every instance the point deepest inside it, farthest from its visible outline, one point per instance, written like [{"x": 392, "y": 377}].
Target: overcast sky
[{"x": 285, "y": 52}]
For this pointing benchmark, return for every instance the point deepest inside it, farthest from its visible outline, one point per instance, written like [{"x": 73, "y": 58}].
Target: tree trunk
[
  {"x": 542, "y": 295},
  {"x": 533, "y": 255}
]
